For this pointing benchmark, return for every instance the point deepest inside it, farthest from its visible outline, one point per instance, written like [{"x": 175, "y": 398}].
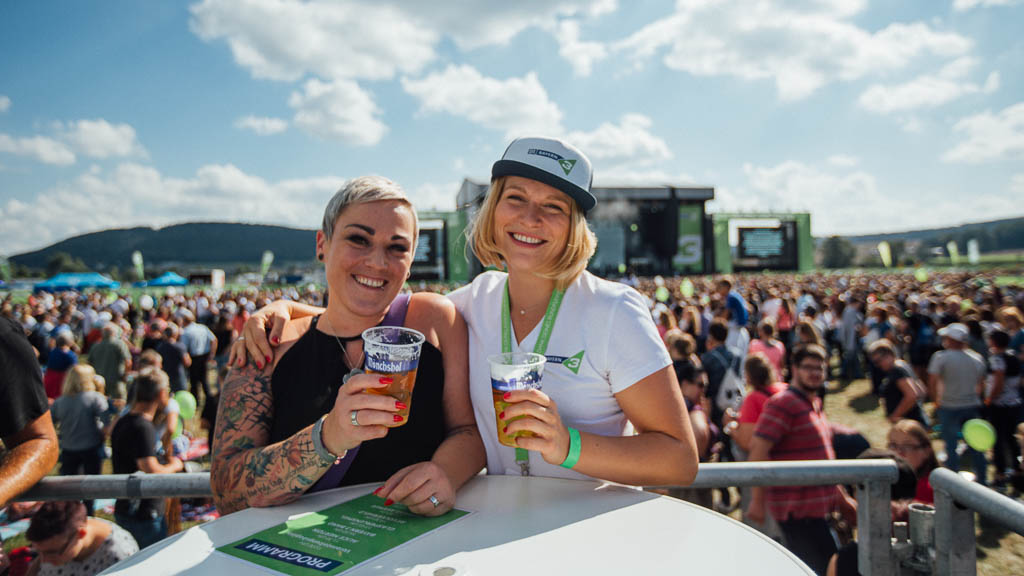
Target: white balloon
[{"x": 146, "y": 302}]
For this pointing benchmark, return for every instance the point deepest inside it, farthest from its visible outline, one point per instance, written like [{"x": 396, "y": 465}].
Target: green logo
[
  {"x": 573, "y": 362},
  {"x": 567, "y": 165}
]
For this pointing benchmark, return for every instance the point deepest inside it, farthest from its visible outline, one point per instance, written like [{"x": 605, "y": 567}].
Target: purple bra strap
[{"x": 332, "y": 478}]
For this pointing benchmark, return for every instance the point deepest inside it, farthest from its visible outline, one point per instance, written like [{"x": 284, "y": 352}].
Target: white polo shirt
[{"x": 603, "y": 342}]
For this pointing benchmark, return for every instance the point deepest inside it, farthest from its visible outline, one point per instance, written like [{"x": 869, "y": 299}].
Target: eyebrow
[{"x": 371, "y": 231}]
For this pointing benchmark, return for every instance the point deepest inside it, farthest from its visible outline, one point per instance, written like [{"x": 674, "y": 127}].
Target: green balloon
[
  {"x": 921, "y": 275},
  {"x": 979, "y": 434},
  {"x": 661, "y": 294},
  {"x": 179, "y": 429},
  {"x": 686, "y": 289},
  {"x": 186, "y": 404},
  {"x": 622, "y": 268}
]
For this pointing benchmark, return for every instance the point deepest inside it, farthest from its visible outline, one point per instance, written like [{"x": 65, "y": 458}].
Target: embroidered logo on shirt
[{"x": 572, "y": 362}]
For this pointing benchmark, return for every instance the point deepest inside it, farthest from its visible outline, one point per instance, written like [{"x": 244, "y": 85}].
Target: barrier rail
[
  {"x": 873, "y": 479},
  {"x": 956, "y": 501}
]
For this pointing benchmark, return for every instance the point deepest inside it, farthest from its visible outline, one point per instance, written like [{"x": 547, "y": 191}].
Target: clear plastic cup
[
  {"x": 394, "y": 351},
  {"x": 513, "y": 371}
]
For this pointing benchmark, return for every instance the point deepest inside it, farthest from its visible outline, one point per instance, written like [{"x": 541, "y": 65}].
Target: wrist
[
  {"x": 325, "y": 449},
  {"x": 575, "y": 444}
]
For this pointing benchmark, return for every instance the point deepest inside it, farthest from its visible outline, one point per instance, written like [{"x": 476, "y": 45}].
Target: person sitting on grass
[{"x": 71, "y": 543}]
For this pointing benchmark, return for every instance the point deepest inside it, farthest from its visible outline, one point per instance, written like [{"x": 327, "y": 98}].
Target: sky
[{"x": 874, "y": 116}]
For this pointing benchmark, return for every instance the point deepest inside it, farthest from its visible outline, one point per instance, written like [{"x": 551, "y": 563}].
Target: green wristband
[{"x": 574, "y": 449}]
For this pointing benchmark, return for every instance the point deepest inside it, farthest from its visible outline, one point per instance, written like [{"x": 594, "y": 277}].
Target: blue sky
[{"x": 874, "y": 116}]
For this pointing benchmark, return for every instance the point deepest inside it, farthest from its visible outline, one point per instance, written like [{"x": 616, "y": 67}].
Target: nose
[{"x": 532, "y": 214}]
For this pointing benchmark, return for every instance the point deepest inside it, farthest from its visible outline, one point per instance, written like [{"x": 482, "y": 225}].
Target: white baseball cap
[
  {"x": 956, "y": 331},
  {"x": 553, "y": 162}
]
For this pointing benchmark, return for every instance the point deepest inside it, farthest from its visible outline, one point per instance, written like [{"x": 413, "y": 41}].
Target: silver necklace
[{"x": 353, "y": 368}]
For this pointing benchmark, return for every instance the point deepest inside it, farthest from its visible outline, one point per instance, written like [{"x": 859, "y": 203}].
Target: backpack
[{"x": 732, "y": 389}]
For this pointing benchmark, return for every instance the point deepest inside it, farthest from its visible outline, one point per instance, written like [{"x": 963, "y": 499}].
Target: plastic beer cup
[
  {"x": 513, "y": 371},
  {"x": 394, "y": 351}
]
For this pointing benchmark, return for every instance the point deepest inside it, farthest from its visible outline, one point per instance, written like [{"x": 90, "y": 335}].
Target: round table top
[{"x": 520, "y": 526}]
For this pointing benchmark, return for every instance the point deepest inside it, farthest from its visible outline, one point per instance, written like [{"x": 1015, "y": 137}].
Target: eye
[
  {"x": 399, "y": 248},
  {"x": 514, "y": 197},
  {"x": 358, "y": 239},
  {"x": 555, "y": 208}
]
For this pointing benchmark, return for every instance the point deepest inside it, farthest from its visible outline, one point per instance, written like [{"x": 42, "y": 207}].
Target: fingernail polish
[
  {"x": 389, "y": 502},
  {"x": 268, "y": 359},
  {"x": 505, "y": 430},
  {"x": 377, "y": 491},
  {"x": 507, "y": 395},
  {"x": 275, "y": 340},
  {"x": 259, "y": 365},
  {"x": 400, "y": 406},
  {"x": 386, "y": 380},
  {"x": 501, "y": 416},
  {"x": 398, "y": 418}
]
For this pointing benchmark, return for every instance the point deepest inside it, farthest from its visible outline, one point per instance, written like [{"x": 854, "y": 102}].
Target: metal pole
[
  {"x": 874, "y": 529},
  {"x": 194, "y": 485},
  {"x": 793, "y": 473},
  {"x": 988, "y": 503},
  {"x": 954, "y": 537}
]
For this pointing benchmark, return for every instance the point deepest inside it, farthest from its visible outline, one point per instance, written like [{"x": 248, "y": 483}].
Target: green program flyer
[{"x": 336, "y": 539}]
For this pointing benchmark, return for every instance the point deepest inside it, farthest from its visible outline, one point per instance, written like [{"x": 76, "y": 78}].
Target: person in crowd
[
  {"x": 175, "y": 358},
  {"x": 682, "y": 346},
  {"x": 956, "y": 375},
  {"x": 26, "y": 427},
  {"x": 849, "y": 339},
  {"x": 1013, "y": 324},
  {"x": 225, "y": 334},
  {"x": 154, "y": 334},
  {"x": 717, "y": 362},
  {"x": 692, "y": 382},
  {"x": 901, "y": 392},
  {"x": 911, "y": 440},
  {"x": 610, "y": 407},
  {"x": 920, "y": 329},
  {"x": 976, "y": 339},
  {"x": 667, "y": 324},
  {"x": 766, "y": 344},
  {"x": 1003, "y": 404},
  {"x": 794, "y": 427},
  {"x": 61, "y": 358},
  {"x": 283, "y": 424},
  {"x": 133, "y": 448},
  {"x": 693, "y": 325},
  {"x": 79, "y": 415},
  {"x": 112, "y": 360},
  {"x": 71, "y": 543},
  {"x": 201, "y": 345}
]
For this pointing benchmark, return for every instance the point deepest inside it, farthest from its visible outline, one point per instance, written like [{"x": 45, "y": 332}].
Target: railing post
[
  {"x": 955, "y": 553},
  {"x": 874, "y": 529}
]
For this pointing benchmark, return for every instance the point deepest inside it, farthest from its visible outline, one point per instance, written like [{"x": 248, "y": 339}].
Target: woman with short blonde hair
[{"x": 79, "y": 415}]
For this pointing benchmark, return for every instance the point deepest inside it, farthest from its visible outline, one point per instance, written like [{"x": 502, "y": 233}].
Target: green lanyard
[{"x": 548, "y": 324}]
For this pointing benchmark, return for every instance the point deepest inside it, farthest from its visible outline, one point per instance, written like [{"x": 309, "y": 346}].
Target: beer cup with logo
[
  {"x": 513, "y": 371},
  {"x": 394, "y": 351}
]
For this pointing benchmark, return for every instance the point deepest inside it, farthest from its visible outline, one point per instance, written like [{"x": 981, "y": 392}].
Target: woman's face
[
  {"x": 368, "y": 257},
  {"x": 909, "y": 448},
  {"x": 531, "y": 223}
]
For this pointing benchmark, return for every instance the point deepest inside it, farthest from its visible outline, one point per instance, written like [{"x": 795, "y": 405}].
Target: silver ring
[
  {"x": 240, "y": 338},
  {"x": 434, "y": 501},
  {"x": 354, "y": 417}
]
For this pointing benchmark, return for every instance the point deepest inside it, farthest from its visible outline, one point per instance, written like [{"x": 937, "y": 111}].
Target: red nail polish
[
  {"x": 505, "y": 429},
  {"x": 501, "y": 416},
  {"x": 398, "y": 418},
  {"x": 259, "y": 365},
  {"x": 377, "y": 491},
  {"x": 507, "y": 395},
  {"x": 400, "y": 406},
  {"x": 386, "y": 380},
  {"x": 275, "y": 340},
  {"x": 268, "y": 359},
  {"x": 389, "y": 502}
]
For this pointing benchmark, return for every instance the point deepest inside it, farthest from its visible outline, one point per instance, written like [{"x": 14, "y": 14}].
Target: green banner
[
  {"x": 265, "y": 262},
  {"x": 690, "y": 253},
  {"x": 336, "y": 539},
  {"x": 137, "y": 263}
]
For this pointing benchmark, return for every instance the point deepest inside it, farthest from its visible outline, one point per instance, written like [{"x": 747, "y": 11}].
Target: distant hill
[
  {"x": 995, "y": 235},
  {"x": 188, "y": 245}
]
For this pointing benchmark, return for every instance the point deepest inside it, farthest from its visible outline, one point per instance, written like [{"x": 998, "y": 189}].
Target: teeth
[
  {"x": 527, "y": 239},
  {"x": 369, "y": 282}
]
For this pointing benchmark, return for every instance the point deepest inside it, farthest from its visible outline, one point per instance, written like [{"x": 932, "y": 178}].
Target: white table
[{"x": 522, "y": 526}]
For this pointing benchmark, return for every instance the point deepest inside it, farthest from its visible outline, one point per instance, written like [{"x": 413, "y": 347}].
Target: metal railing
[
  {"x": 873, "y": 479},
  {"x": 956, "y": 501}
]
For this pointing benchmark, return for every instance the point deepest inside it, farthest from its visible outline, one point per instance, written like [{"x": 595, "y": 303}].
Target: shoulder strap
[{"x": 396, "y": 313}]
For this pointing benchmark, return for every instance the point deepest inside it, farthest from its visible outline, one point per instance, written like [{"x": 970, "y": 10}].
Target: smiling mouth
[
  {"x": 524, "y": 239},
  {"x": 369, "y": 282}
]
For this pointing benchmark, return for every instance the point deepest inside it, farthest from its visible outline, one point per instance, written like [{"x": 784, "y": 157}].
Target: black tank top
[{"x": 306, "y": 382}]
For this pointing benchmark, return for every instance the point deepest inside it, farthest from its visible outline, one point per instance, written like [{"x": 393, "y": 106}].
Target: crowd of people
[{"x": 671, "y": 372}]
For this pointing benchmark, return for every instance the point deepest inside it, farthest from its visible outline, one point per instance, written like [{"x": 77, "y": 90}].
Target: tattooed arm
[{"x": 245, "y": 471}]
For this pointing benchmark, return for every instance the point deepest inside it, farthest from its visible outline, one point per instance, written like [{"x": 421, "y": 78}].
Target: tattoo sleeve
[{"x": 245, "y": 471}]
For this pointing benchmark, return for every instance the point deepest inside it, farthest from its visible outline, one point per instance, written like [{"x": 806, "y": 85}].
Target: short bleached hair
[
  {"x": 364, "y": 190},
  {"x": 563, "y": 269},
  {"x": 80, "y": 378}
]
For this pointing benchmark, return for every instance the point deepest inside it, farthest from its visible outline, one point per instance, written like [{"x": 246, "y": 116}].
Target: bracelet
[
  {"x": 318, "y": 443},
  {"x": 574, "y": 449}
]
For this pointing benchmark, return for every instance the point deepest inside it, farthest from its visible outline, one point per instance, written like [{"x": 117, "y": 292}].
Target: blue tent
[
  {"x": 167, "y": 279},
  {"x": 76, "y": 281}
]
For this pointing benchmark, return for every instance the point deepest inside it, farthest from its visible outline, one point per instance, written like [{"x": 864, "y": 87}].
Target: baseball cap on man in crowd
[
  {"x": 955, "y": 331},
  {"x": 553, "y": 162}
]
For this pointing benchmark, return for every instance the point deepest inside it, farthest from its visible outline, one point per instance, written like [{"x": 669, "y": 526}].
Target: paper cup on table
[
  {"x": 394, "y": 351},
  {"x": 509, "y": 372}
]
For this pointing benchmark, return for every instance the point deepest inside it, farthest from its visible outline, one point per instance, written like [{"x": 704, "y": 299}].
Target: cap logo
[{"x": 566, "y": 163}]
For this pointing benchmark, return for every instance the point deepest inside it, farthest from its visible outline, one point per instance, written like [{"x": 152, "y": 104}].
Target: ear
[{"x": 321, "y": 245}]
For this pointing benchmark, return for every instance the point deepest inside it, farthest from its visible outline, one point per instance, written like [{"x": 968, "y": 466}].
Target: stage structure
[
  {"x": 784, "y": 245},
  {"x": 647, "y": 230},
  {"x": 441, "y": 248}
]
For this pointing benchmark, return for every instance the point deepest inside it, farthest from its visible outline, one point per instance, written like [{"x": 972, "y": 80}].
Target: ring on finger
[
  {"x": 240, "y": 338},
  {"x": 433, "y": 500},
  {"x": 354, "y": 417}
]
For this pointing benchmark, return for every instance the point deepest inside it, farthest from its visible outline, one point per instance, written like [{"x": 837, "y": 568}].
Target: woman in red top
[
  {"x": 767, "y": 344},
  {"x": 909, "y": 439},
  {"x": 760, "y": 375}
]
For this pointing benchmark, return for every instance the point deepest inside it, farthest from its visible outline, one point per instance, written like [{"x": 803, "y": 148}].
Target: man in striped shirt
[{"x": 794, "y": 427}]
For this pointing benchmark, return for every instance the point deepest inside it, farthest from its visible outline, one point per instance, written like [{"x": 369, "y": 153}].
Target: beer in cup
[
  {"x": 394, "y": 351},
  {"x": 513, "y": 371}
]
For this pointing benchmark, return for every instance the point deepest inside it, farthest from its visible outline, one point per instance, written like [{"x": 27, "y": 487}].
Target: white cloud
[
  {"x": 625, "y": 146},
  {"x": 515, "y": 106},
  {"x": 340, "y": 110},
  {"x": 263, "y": 126},
  {"x": 843, "y": 160},
  {"x": 989, "y": 137},
  {"x": 963, "y": 5},
  {"x": 5, "y": 103},
  {"x": 1017, "y": 184},
  {"x": 101, "y": 139},
  {"x": 801, "y": 48},
  {"x": 136, "y": 195},
  {"x": 581, "y": 55},
  {"x": 430, "y": 196},
  {"x": 928, "y": 90},
  {"x": 40, "y": 148}
]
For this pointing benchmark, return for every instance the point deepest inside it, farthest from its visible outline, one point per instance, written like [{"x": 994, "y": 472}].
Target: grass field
[{"x": 1000, "y": 552}]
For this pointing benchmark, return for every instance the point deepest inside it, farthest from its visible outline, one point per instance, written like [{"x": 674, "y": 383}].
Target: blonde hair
[
  {"x": 563, "y": 269},
  {"x": 364, "y": 190},
  {"x": 80, "y": 378}
]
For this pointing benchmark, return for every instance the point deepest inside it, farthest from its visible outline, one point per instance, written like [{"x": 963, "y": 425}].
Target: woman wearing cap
[
  {"x": 610, "y": 407},
  {"x": 303, "y": 423}
]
